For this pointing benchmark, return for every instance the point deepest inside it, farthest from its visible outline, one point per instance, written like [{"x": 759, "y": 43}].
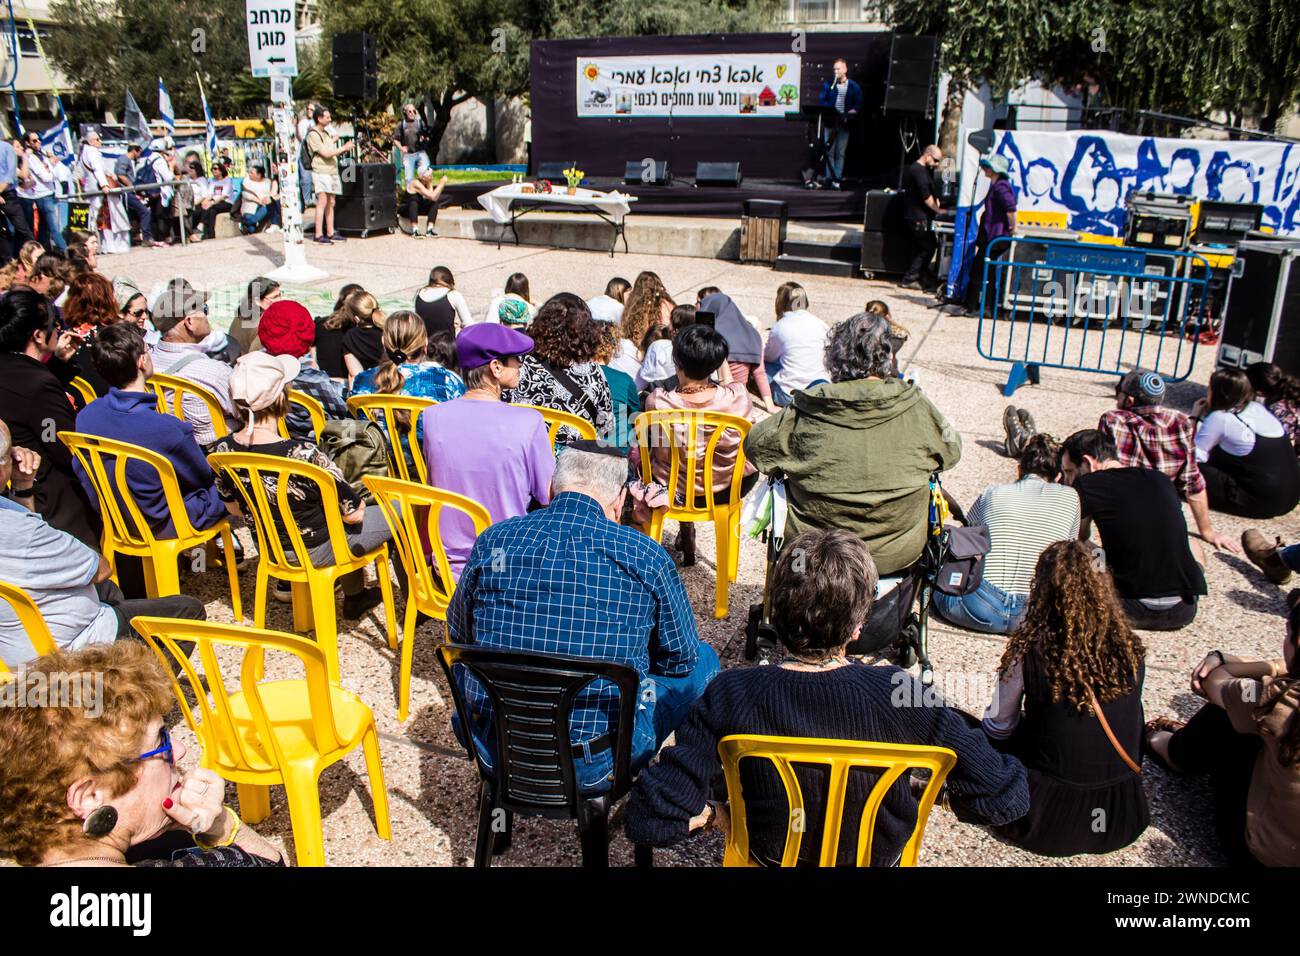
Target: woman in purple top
[
  {"x": 998, "y": 219},
  {"x": 479, "y": 446}
]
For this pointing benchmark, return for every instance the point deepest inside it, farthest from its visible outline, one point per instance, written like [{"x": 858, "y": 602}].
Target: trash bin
[{"x": 761, "y": 227}]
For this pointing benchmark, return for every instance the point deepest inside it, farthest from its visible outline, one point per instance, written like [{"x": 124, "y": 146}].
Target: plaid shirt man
[
  {"x": 312, "y": 381},
  {"x": 566, "y": 580},
  {"x": 1153, "y": 436}
]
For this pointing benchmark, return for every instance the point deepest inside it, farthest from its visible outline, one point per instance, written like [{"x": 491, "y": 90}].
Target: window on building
[
  {"x": 832, "y": 11},
  {"x": 27, "y": 42}
]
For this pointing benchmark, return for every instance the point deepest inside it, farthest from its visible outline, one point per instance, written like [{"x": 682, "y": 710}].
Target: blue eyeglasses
[{"x": 165, "y": 739}]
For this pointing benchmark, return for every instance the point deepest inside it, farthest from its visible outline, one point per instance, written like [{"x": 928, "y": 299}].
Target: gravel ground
[{"x": 432, "y": 787}]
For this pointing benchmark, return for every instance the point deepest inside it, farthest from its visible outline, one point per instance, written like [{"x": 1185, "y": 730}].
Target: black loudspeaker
[
  {"x": 554, "y": 172},
  {"x": 913, "y": 64},
  {"x": 886, "y": 244},
  {"x": 1261, "y": 319},
  {"x": 355, "y": 67},
  {"x": 652, "y": 173},
  {"x": 368, "y": 179},
  {"x": 365, "y": 214},
  {"x": 717, "y": 174}
]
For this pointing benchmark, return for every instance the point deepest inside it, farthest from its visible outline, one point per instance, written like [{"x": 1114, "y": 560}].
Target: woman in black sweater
[
  {"x": 1075, "y": 642},
  {"x": 822, "y": 591}
]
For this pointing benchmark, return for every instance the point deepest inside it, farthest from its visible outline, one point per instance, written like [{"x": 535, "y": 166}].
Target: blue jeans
[
  {"x": 1290, "y": 556},
  {"x": 49, "y": 232},
  {"x": 304, "y": 186},
  {"x": 414, "y": 163},
  {"x": 253, "y": 220},
  {"x": 837, "y": 143},
  {"x": 987, "y": 609},
  {"x": 661, "y": 709}
]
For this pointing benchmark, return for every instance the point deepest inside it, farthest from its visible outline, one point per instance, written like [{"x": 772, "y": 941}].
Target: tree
[
  {"x": 105, "y": 46},
  {"x": 445, "y": 52}
]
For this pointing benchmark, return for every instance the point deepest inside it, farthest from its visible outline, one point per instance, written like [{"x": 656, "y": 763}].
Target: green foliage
[
  {"x": 107, "y": 46},
  {"x": 1189, "y": 57}
]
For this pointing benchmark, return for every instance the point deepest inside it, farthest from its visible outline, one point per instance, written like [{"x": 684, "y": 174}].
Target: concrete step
[{"x": 809, "y": 265}]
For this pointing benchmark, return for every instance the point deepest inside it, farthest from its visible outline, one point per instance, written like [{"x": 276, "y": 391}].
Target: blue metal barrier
[{"x": 1090, "y": 308}]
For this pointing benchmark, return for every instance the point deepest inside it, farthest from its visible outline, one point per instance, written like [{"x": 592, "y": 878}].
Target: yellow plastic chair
[
  {"x": 172, "y": 392},
  {"x": 383, "y": 409},
  {"x": 684, "y": 431},
  {"x": 84, "y": 389},
  {"x": 556, "y": 419},
  {"x": 29, "y": 616},
  {"x": 313, "y": 408},
  {"x": 839, "y": 757},
  {"x": 313, "y": 588},
  {"x": 414, "y": 514},
  {"x": 126, "y": 531},
  {"x": 270, "y": 733}
]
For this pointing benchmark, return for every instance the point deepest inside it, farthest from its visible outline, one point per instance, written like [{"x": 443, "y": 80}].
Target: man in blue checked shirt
[{"x": 569, "y": 580}]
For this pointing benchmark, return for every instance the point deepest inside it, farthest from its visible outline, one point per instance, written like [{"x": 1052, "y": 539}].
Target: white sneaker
[{"x": 273, "y": 229}]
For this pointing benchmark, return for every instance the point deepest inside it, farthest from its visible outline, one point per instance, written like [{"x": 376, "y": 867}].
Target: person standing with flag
[
  {"x": 114, "y": 226},
  {"x": 36, "y": 193},
  {"x": 10, "y": 208}
]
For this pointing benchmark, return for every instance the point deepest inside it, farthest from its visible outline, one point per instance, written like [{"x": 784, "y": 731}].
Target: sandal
[{"x": 1156, "y": 725}]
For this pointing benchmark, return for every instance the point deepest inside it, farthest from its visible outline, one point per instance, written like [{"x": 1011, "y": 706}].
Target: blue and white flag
[
  {"x": 211, "y": 135},
  {"x": 165, "y": 108},
  {"x": 58, "y": 139}
]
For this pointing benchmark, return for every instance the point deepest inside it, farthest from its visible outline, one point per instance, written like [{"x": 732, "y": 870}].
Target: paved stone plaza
[{"x": 432, "y": 786}]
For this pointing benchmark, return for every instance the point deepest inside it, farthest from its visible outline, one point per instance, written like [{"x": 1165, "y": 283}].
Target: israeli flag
[
  {"x": 58, "y": 139},
  {"x": 165, "y": 108},
  {"x": 211, "y": 127}
]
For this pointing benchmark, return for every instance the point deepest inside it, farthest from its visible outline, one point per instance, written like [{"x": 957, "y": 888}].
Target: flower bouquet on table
[
  {"x": 573, "y": 176},
  {"x": 544, "y": 186}
]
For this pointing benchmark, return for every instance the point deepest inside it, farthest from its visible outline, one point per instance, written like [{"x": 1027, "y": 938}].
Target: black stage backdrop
[{"x": 765, "y": 148}]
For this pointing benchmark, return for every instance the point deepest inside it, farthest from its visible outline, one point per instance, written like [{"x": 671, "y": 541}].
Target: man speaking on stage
[{"x": 846, "y": 96}]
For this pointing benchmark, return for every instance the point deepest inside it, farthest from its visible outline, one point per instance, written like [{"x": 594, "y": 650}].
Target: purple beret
[{"x": 481, "y": 343}]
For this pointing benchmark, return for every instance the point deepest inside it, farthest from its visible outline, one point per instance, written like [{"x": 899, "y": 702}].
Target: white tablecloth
[{"x": 497, "y": 202}]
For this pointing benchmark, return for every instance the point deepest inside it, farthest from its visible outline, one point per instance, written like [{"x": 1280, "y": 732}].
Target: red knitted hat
[{"x": 286, "y": 328}]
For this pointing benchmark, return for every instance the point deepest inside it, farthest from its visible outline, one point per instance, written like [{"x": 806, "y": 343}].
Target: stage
[{"x": 683, "y": 198}]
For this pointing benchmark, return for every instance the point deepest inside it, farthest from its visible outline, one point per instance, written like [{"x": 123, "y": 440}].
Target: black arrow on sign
[{"x": 275, "y": 59}]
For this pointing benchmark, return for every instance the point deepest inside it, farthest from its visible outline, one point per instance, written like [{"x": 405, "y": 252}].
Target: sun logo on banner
[
  {"x": 591, "y": 72},
  {"x": 780, "y": 71}
]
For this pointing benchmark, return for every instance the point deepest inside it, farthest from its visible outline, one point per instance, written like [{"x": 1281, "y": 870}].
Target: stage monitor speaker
[
  {"x": 368, "y": 179},
  {"x": 365, "y": 214},
  {"x": 1261, "y": 319},
  {"x": 554, "y": 172},
  {"x": 655, "y": 172},
  {"x": 717, "y": 174},
  {"x": 355, "y": 67},
  {"x": 913, "y": 64}
]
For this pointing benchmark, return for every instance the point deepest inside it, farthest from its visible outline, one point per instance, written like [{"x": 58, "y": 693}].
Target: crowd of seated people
[{"x": 565, "y": 567}]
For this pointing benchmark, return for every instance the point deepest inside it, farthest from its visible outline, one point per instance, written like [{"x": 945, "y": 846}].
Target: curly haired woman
[
  {"x": 81, "y": 788},
  {"x": 561, "y": 371},
  {"x": 1074, "y": 649},
  {"x": 647, "y": 304}
]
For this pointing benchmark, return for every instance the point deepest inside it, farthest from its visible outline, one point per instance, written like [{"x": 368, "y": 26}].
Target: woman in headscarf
[{"x": 744, "y": 344}]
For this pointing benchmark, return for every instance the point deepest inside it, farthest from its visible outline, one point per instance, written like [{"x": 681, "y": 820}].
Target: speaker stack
[
  {"x": 886, "y": 245},
  {"x": 913, "y": 66},
  {"x": 355, "y": 67},
  {"x": 1261, "y": 319},
  {"x": 369, "y": 200}
]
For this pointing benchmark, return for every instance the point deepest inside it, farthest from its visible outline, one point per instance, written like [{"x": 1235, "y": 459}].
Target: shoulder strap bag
[{"x": 1110, "y": 735}]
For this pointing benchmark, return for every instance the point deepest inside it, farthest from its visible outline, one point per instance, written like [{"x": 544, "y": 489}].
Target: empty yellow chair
[
  {"x": 404, "y": 450},
  {"x": 839, "y": 757},
  {"x": 172, "y": 392},
  {"x": 29, "y": 616},
  {"x": 270, "y": 733},
  {"x": 693, "y": 459},
  {"x": 84, "y": 389},
  {"x": 414, "y": 514},
  {"x": 313, "y": 588},
  {"x": 314, "y": 409},
  {"x": 126, "y": 531},
  {"x": 556, "y": 419}
]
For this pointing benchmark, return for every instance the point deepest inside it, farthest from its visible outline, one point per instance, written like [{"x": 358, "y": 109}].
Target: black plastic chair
[{"x": 532, "y": 701}]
